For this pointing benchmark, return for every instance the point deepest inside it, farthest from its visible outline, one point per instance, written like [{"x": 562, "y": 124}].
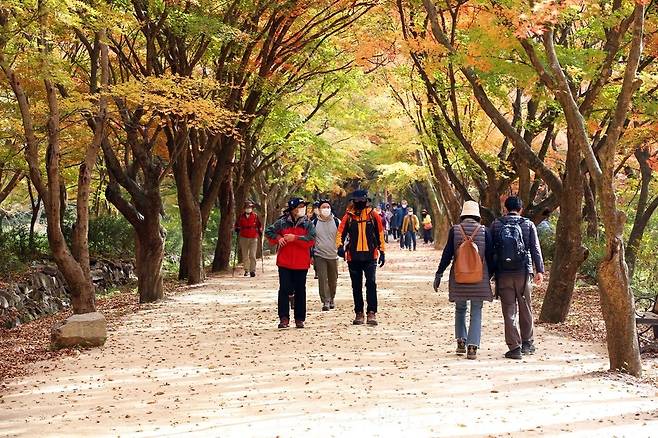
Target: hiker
[
  {"x": 362, "y": 231},
  {"x": 388, "y": 214},
  {"x": 249, "y": 229},
  {"x": 410, "y": 226},
  {"x": 400, "y": 213},
  {"x": 471, "y": 246},
  {"x": 516, "y": 249},
  {"x": 395, "y": 224},
  {"x": 385, "y": 224},
  {"x": 294, "y": 236},
  {"x": 544, "y": 228},
  {"x": 325, "y": 255},
  {"x": 427, "y": 227}
]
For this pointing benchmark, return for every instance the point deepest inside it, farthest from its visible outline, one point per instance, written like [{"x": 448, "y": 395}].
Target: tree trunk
[
  {"x": 223, "y": 248},
  {"x": 191, "y": 258},
  {"x": 618, "y": 309},
  {"x": 569, "y": 253},
  {"x": 590, "y": 210},
  {"x": 149, "y": 252}
]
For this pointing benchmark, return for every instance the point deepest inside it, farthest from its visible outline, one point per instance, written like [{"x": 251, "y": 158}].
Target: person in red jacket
[
  {"x": 249, "y": 229},
  {"x": 294, "y": 235}
]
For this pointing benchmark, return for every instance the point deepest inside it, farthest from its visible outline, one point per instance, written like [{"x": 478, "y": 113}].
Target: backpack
[
  {"x": 336, "y": 221},
  {"x": 468, "y": 263},
  {"x": 510, "y": 248},
  {"x": 372, "y": 238}
]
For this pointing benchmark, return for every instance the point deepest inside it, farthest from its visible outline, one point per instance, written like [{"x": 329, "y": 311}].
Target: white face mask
[
  {"x": 300, "y": 212},
  {"x": 325, "y": 212},
  {"x": 410, "y": 213},
  {"x": 404, "y": 205},
  {"x": 248, "y": 210}
]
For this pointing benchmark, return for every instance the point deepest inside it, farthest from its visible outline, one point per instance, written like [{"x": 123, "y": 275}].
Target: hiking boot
[
  {"x": 252, "y": 274},
  {"x": 299, "y": 324},
  {"x": 246, "y": 274},
  {"x": 472, "y": 352},
  {"x": 528, "y": 348},
  {"x": 461, "y": 346},
  {"x": 359, "y": 319},
  {"x": 291, "y": 301},
  {"x": 372, "y": 320},
  {"x": 284, "y": 323},
  {"x": 514, "y": 354},
  {"x": 332, "y": 305},
  {"x": 325, "y": 307}
]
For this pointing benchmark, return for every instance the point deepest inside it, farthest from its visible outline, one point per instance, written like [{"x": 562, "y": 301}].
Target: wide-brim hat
[
  {"x": 324, "y": 201},
  {"x": 471, "y": 208},
  {"x": 249, "y": 204},
  {"x": 293, "y": 203}
]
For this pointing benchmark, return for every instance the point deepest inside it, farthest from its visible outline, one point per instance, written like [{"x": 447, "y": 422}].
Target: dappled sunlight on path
[{"x": 210, "y": 362}]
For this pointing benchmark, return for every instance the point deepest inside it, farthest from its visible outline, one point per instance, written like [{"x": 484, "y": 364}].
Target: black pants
[
  {"x": 395, "y": 233},
  {"x": 292, "y": 281},
  {"x": 357, "y": 271},
  {"x": 427, "y": 236}
]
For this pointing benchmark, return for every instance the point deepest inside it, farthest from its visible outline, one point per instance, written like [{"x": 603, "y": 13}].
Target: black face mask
[{"x": 360, "y": 204}]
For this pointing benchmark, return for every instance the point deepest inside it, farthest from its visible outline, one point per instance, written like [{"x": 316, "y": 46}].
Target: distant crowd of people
[{"x": 507, "y": 253}]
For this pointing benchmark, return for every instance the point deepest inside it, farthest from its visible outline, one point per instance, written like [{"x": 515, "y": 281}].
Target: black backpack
[{"x": 511, "y": 251}]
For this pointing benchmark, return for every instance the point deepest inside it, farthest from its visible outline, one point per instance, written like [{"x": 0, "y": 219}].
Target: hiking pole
[
  {"x": 235, "y": 255},
  {"x": 262, "y": 238}
]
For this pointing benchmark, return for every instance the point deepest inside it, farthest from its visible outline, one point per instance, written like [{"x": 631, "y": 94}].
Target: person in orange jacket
[{"x": 360, "y": 240}]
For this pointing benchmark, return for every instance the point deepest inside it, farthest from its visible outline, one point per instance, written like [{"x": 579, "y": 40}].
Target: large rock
[{"x": 85, "y": 330}]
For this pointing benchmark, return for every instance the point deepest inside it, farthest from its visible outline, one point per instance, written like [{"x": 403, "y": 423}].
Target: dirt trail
[{"x": 210, "y": 362}]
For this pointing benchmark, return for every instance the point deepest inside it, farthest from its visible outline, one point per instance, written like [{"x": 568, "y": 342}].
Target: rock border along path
[{"x": 210, "y": 362}]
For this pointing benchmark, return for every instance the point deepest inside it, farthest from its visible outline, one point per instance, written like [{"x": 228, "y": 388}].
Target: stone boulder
[{"x": 85, "y": 330}]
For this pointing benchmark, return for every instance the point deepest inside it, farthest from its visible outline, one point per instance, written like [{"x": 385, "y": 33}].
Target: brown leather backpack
[{"x": 468, "y": 263}]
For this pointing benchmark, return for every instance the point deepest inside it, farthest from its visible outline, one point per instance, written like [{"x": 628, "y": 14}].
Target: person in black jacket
[{"x": 516, "y": 249}]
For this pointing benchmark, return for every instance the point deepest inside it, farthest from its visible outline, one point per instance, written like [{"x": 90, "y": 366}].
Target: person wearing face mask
[
  {"x": 249, "y": 229},
  {"x": 325, "y": 255},
  {"x": 410, "y": 227},
  {"x": 294, "y": 235},
  {"x": 360, "y": 240},
  {"x": 400, "y": 214}
]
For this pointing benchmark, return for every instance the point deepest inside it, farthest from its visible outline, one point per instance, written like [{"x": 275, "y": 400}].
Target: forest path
[{"x": 210, "y": 362}]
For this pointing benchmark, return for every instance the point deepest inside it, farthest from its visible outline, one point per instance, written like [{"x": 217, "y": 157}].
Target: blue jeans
[{"x": 475, "y": 326}]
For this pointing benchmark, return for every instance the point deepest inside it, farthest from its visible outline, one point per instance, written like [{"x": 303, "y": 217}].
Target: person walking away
[
  {"x": 249, "y": 229},
  {"x": 399, "y": 217},
  {"x": 325, "y": 254},
  {"x": 360, "y": 239},
  {"x": 516, "y": 249},
  {"x": 410, "y": 226},
  {"x": 294, "y": 235},
  {"x": 427, "y": 227},
  {"x": 470, "y": 245}
]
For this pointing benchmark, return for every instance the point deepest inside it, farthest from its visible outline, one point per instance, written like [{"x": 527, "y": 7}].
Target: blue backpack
[{"x": 511, "y": 251}]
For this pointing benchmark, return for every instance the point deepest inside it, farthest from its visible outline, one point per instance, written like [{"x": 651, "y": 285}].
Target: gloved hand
[
  {"x": 437, "y": 282},
  {"x": 382, "y": 259},
  {"x": 341, "y": 252}
]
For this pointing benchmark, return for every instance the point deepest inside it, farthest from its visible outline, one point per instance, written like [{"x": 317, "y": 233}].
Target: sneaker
[
  {"x": 461, "y": 346},
  {"x": 332, "y": 305},
  {"x": 291, "y": 301},
  {"x": 359, "y": 319},
  {"x": 472, "y": 352},
  {"x": 514, "y": 354},
  {"x": 325, "y": 307},
  {"x": 246, "y": 274},
  {"x": 299, "y": 324},
  {"x": 252, "y": 274},
  {"x": 528, "y": 348},
  {"x": 284, "y": 323},
  {"x": 372, "y": 320}
]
